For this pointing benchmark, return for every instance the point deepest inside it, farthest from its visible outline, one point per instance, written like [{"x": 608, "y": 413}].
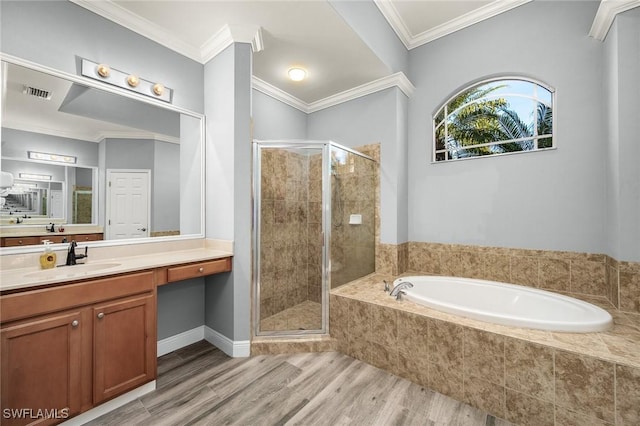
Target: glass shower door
[{"x": 289, "y": 272}]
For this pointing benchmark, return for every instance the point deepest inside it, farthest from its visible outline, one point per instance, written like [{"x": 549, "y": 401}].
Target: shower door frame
[
  {"x": 324, "y": 148},
  {"x": 326, "y": 229}
]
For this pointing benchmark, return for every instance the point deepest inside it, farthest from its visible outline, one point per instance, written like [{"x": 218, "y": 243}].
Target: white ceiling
[{"x": 310, "y": 34}]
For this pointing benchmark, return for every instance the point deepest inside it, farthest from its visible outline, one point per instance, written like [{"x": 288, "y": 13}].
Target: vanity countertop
[{"x": 24, "y": 278}]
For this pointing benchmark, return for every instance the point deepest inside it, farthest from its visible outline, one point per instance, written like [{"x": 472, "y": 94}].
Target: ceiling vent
[{"x": 38, "y": 93}]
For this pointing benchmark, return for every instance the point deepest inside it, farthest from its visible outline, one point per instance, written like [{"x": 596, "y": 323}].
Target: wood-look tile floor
[{"x": 200, "y": 385}]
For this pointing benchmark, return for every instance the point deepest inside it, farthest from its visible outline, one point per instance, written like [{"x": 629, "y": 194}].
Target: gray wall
[
  {"x": 622, "y": 88},
  {"x": 550, "y": 200},
  {"x": 165, "y": 206},
  {"x": 367, "y": 21},
  {"x": 375, "y": 118},
  {"x": 16, "y": 143},
  {"x": 180, "y": 307},
  {"x": 57, "y": 33},
  {"x": 273, "y": 119},
  {"x": 228, "y": 201}
]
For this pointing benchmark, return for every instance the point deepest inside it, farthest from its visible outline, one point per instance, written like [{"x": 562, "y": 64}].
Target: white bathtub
[{"x": 507, "y": 304}]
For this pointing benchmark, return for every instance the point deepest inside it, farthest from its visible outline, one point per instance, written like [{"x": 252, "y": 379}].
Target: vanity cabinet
[
  {"x": 124, "y": 346},
  {"x": 42, "y": 367},
  {"x": 75, "y": 346}
]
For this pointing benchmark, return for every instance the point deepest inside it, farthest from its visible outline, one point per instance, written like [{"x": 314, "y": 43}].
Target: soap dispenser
[{"x": 48, "y": 258}]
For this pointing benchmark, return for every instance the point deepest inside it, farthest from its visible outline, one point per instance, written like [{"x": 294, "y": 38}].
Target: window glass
[{"x": 494, "y": 117}]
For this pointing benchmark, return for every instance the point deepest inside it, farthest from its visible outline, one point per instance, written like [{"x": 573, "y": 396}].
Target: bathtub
[{"x": 506, "y": 304}]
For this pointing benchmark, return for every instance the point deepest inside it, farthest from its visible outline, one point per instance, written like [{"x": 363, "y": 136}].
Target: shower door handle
[{"x": 322, "y": 239}]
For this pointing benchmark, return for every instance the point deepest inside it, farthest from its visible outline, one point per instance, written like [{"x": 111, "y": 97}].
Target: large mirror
[{"x": 87, "y": 162}]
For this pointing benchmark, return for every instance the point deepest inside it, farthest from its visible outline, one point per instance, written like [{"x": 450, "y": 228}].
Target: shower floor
[{"x": 303, "y": 316}]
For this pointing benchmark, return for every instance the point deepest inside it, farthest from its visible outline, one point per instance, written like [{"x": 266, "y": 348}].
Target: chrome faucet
[
  {"x": 72, "y": 256},
  {"x": 398, "y": 289}
]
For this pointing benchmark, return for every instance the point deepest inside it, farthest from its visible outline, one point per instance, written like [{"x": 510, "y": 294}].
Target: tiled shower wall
[
  {"x": 560, "y": 271},
  {"x": 354, "y": 192},
  {"x": 284, "y": 234}
]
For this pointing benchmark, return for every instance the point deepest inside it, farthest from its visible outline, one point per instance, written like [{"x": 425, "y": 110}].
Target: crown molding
[
  {"x": 228, "y": 35},
  {"x": 398, "y": 80},
  {"x": 478, "y": 15},
  {"x": 136, "y": 135},
  {"x": 217, "y": 43},
  {"x": 605, "y": 15},
  {"x": 394, "y": 19},
  {"x": 279, "y": 94},
  {"x": 121, "y": 16}
]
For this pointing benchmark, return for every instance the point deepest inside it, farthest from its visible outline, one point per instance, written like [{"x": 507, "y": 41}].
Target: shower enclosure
[{"x": 314, "y": 229}]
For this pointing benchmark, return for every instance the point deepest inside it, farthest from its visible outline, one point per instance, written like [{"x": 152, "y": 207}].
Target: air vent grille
[{"x": 38, "y": 93}]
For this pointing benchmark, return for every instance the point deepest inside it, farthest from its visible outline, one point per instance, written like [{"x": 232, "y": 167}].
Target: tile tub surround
[
  {"x": 525, "y": 376},
  {"x": 564, "y": 272}
]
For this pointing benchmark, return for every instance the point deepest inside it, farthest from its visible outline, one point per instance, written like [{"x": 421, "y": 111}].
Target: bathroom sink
[{"x": 70, "y": 271}]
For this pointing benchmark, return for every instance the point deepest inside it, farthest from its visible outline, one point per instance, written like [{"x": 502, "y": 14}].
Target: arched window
[{"x": 496, "y": 116}]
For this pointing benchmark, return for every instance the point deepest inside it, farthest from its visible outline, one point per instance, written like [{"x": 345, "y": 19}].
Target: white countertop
[{"x": 24, "y": 277}]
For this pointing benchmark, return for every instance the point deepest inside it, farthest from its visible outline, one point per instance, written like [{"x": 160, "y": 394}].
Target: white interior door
[
  {"x": 57, "y": 204},
  {"x": 128, "y": 208}
]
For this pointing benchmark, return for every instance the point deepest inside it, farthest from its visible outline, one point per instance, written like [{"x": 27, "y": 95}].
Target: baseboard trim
[
  {"x": 103, "y": 409},
  {"x": 235, "y": 349},
  {"x": 181, "y": 340}
]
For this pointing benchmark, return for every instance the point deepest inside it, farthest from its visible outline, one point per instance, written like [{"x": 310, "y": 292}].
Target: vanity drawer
[
  {"x": 19, "y": 241},
  {"x": 200, "y": 269}
]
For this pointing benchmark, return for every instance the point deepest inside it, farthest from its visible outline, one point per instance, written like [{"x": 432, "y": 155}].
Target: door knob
[
  {"x": 142, "y": 229},
  {"x": 101, "y": 315},
  {"x": 75, "y": 323}
]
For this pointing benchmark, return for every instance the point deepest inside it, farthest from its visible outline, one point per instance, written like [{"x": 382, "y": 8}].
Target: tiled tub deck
[{"x": 528, "y": 377}]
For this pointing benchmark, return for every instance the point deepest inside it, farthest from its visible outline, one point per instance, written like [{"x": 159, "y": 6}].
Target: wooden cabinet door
[
  {"x": 124, "y": 345},
  {"x": 41, "y": 369}
]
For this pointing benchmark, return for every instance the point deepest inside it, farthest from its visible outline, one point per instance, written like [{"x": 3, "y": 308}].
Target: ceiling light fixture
[
  {"x": 297, "y": 74},
  {"x": 33, "y": 176},
  {"x": 54, "y": 158}
]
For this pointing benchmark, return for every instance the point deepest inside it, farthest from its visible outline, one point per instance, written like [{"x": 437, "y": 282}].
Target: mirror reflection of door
[
  {"x": 128, "y": 204},
  {"x": 57, "y": 204}
]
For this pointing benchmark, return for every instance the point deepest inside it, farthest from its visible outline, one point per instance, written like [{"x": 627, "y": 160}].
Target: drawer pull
[
  {"x": 201, "y": 269},
  {"x": 75, "y": 323},
  {"x": 101, "y": 315}
]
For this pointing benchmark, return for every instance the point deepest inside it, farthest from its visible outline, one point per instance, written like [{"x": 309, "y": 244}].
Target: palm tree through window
[{"x": 492, "y": 117}]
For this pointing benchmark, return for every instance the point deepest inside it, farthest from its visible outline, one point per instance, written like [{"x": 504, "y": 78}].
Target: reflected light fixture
[
  {"x": 297, "y": 74},
  {"x": 33, "y": 176},
  {"x": 54, "y": 158}
]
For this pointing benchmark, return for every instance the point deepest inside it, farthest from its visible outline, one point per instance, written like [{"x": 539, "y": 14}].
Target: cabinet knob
[
  {"x": 75, "y": 323},
  {"x": 201, "y": 269},
  {"x": 101, "y": 315}
]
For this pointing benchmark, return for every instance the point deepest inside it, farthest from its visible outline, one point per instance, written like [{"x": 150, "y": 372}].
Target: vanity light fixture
[
  {"x": 34, "y": 176},
  {"x": 297, "y": 74},
  {"x": 25, "y": 185},
  {"x": 54, "y": 158},
  {"x": 126, "y": 80}
]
